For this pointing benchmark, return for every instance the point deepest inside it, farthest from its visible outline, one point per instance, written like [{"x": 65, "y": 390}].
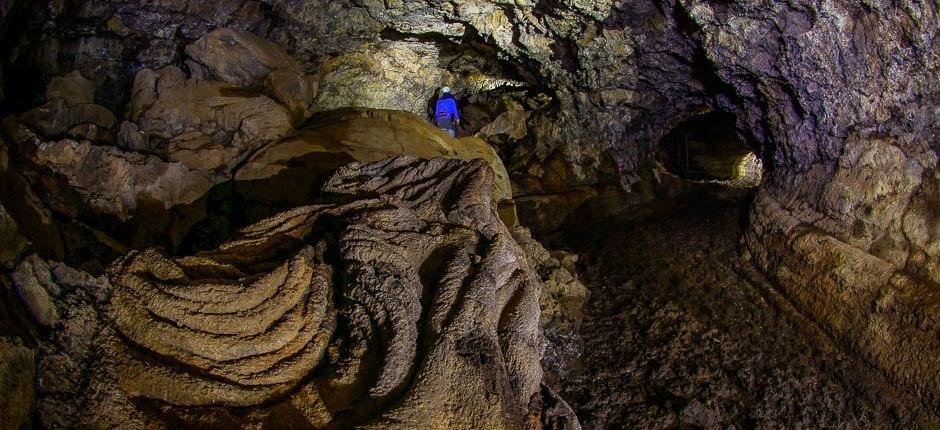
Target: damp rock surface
[{"x": 680, "y": 331}]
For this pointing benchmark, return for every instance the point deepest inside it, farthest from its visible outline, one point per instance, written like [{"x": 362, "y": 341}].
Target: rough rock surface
[
  {"x": 115, "y": 182},
  {"x": 562, "y": 303},
  {"x": 73, "y": 88},
  {"x": 12, "y": 243},
  {"x": 206, "y": 125},
  {"x": 388, "y": 75},
  {"x": 17, "y": 389},
  {"x": 302, "y": 162},
  {"x": 822, "y": 90},
  {"x": 248, "y": 61},
  {"x": 861, "y": 253},
  {"x": 36, "y": 289},
  {"x": 680, "y": 332},
  {"x": 405, "y": 306}
]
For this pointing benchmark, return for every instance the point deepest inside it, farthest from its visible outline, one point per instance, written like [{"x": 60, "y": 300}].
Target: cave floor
[{"x": 680, "y": 332}]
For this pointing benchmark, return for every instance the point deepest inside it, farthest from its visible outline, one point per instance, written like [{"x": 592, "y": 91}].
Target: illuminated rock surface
[{"x": 140, "y": 138}]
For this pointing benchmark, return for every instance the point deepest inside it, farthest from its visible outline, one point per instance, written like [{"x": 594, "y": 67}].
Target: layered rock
[
  {"x": 604, "y": 82},
  {"x": 860, "y": 253},
  {"x": 187, "y": 134},
  {"x": 248, "y": 61},
  {"x": 288, "y": 172},
  {"x": 407, "y": 305},
  {"x": 206, "y": 125}
]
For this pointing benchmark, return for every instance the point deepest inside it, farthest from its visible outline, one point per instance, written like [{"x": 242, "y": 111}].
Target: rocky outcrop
[
  {"x": 407, "y": 305},
  {"x": 70, "y": 110},
  {"x": 118, "y": 183},
  {"x": 248, "y": 61},
  {"x": 188, "y": 133},
  {"x": 287, "y": 173},
  {"x": 602, "y": 83},
  {"x": 388, "y": 75},
  {"x": 206, "y": 125},
  {"x": 860, "y": 253},
  {"x": 562, "y": 304}
]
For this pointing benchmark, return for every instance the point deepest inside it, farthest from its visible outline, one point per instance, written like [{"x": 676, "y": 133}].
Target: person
[{"x": 446, "y": 114}]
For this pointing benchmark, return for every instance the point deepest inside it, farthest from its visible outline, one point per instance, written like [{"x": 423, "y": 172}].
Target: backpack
[{"x": 442, "y": 109}]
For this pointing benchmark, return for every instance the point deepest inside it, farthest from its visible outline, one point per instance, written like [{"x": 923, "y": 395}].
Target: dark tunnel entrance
[{"x": 707, "y": 147}]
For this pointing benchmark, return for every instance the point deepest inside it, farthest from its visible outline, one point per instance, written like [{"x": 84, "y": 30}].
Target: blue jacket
[{"x": 447, "y": 106}]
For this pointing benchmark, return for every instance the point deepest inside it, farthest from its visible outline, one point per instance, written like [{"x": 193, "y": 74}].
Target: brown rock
[
  {"x": 859, "y": 258},
  {"x": 115, "y": 182},
  {"x": 332, "y": 139},
  {"x": 73, "y": 88},
  {"x": 56, "y": 117},
  {"x": 17, "y": 390},
  {"x": 132, "y": 139},
  {"x": 91, "y": 132},
  {"x": 35, "y": 288},
  {"x": 511, "y": 122},
  {"x": 239, "y": 57},
  {"x": 248, "y": 61},
  {"x": 562, "y": 304},
  {"x": 207, "y": 125},
  {"x": 437, "y": 304}
]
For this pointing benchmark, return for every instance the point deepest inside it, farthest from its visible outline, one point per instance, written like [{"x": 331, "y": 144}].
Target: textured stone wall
[
  {"x": 409, "y": 305},
  {"x": 840, "y": 99}
]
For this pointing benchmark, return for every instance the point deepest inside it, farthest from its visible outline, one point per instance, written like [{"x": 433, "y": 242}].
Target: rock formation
[
  {"x": 862, "y": 253},
  {"x": 130, "y": 127},
  {"x": 241, "y": 114},
  {"x": 399, "y": 307},
  {"x": 290, "y": 171}
]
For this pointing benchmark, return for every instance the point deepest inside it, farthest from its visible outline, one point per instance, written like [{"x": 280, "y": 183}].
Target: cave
[
  {"x": 707, "y": 147},
  {"x": 651, "y": 214}
]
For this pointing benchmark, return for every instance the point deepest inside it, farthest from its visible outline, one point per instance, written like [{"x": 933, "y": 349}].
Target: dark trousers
[{"x": 447, "y": 123}]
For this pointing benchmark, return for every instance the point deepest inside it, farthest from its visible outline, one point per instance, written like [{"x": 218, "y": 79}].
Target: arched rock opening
[{"x": 707, "y": 147}]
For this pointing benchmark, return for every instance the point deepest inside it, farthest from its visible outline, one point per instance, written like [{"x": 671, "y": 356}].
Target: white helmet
[{"x": 445, "y": 90}]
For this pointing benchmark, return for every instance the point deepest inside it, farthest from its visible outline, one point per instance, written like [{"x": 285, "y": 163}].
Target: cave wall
[
  {"x": 842, "y": 98},
  {"x": 839, "y": 98}
]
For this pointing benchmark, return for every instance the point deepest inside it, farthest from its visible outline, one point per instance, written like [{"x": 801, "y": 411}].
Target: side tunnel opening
[{"x": 707, "y": 148}]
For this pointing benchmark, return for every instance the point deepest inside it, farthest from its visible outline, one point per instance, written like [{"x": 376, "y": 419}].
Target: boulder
[
  {"x": 56, "y": 117},
  {"x": 130, "y": 138},
  {"x": 206, "y": 125},
  {"x": 35, "y": 288},
  {"x": 511, "y": 122},
  {"x": 73, "y": 88},
  {"x": 115, "y": 182},
  {"x": 70, "y": 108},
  {"x": 249, "y": 61}
]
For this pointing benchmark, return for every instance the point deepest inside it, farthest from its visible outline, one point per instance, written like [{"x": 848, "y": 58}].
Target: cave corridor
[{"x": 652, "y": 214}]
